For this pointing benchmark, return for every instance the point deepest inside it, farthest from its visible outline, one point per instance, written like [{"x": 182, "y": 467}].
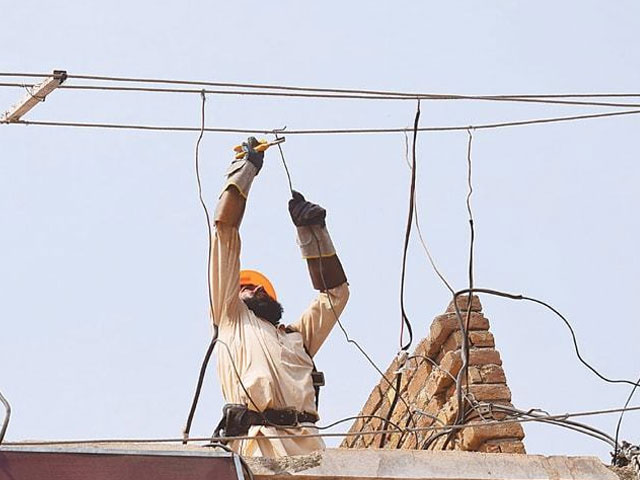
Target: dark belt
[{"x": 237, "y": 419}]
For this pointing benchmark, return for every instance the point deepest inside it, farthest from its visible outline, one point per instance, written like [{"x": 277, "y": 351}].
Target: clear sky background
[{"x": 103, "y": 244}]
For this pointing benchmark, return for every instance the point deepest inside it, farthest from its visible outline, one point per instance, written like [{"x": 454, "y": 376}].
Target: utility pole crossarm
[{"x": 34, "y": 96}]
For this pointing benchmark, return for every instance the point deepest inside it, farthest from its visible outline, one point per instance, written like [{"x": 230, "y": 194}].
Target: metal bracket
[{"x": 35, "y": 95}]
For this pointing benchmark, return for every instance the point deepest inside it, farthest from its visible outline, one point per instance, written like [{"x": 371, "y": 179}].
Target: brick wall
[{"x": 427, "y": 384}]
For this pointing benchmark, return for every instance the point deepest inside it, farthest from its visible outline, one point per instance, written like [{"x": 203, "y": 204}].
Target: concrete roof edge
[{"x": 426, "y": 465}]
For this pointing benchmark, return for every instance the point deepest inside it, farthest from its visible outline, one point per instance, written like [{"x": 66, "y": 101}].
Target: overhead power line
[
  {"x": 334, "y": 131},
  {"x": 336, "y": 95},
  {"x": 411, "y": 95}
]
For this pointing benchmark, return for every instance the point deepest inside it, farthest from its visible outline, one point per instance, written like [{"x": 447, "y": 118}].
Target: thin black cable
[
  {"x": 405, "y": 318},
  {"x": 357, "y": 417},
  {"x": 338, "y": 321},
  {"x": 472, "y": 236},
  {"x": 618, "y": 425},
  {"x": 418, "y": 228},
  {"x": 214, "y": 337},
  {"x": 464, "y": 328},
  {"x": 412, "y": 190},
  {"x": 392, "y": 407},
  {"x": 5, "y": 422},
  {"x": 566, "y": 322},
  {"x": 163, "y": 128}
]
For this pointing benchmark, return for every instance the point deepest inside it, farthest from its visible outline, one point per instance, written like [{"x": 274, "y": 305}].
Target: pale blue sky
[{"x": 103, "y": 246}]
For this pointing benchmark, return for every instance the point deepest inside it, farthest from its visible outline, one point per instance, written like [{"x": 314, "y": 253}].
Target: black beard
[{"x": 266, "y": 308}]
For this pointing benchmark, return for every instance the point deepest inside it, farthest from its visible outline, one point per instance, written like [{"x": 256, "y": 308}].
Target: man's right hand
[{"x": 250, "y": 153}]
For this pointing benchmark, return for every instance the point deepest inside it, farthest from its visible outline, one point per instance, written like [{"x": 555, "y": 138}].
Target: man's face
[{"x": 260, "y": 303}]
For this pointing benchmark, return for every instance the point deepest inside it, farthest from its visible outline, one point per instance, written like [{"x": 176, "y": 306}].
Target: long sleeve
[
  {"x": 320, "y": 317},
  {"x": 224, "y": 271},
  {"x": 224, "y": 265}
]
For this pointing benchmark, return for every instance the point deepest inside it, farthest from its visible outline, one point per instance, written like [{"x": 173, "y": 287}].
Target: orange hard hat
[{"x": 253, "y": 277}]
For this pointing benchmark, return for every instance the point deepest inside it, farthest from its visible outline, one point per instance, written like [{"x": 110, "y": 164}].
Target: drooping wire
[
  {"x": 619, "y": 424},
  {"x": 417, "y": 222},
  {"x": 562, "y": 317},
  {"x": 214, "y": 336},
  {"x": 412, "y": 190},
  {"x": 472, "y": 236},
  {"x": 333, "y": 310}
]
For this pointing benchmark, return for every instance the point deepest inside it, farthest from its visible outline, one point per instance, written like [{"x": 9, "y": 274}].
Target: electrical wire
[
  {"x": 418, "y": 228},
  {"x": 214, "y": 337},
  {"x": 314, "y": 92},
  {"x": 472, "y": 236},
  {"x": 309, "y": 89},
  {"x": 407, "y": 237},
  {"x": 7, "y": 416},
  {"x": 335, "y": 131},
  {"x": 404, "y": 317},
  {"x": 619, "y": 424},
  {"x": 576, "y": 426},
  {"x": 332, "y": 434},
  {"x": 566, "y": 322},
  {"x": 464, "y": 326},
  {"x": 337, "y": 317}
]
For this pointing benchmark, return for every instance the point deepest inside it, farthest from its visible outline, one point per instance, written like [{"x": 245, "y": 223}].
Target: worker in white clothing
[{"x": 266, "y": 368}]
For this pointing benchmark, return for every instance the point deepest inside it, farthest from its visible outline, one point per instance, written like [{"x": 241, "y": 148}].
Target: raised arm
[
  {"x": 325, "y": 270},
  {"x": 224, "y": 266}
]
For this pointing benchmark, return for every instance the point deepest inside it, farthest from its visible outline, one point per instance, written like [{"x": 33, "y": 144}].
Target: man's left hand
[{"x": 304, "y": 213}]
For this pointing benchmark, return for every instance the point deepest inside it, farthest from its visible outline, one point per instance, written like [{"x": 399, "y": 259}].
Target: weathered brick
[
  {"x": 443, "y": 325},
  {"x": 490, "y": 392},
  {"x": 463, "y": 302},
  {"x": 400, "y": 413},
  {"x": 492, "y": 374},
  {"x": 389, "y": 374},
  {"x": 448, "y": 412},
  {"x": 422, "y": 347},
  {"x": 410, "y": 442},
  {"x": 373, "y": 402},
  {"x": 489, "y": 447},
  {"x": 444, "y": 376},
  {"x": 481, "y": 339},
  {"x": 438, "y": 382},
  {"x": 502, "y": 446},
  {"x": 418, "y": 382},
  {"x": 473, "y": 437},
  {"x": 484, "y": 356},
  {"x": 514, "y": 446},
  {"x": 475, "y": 375}
]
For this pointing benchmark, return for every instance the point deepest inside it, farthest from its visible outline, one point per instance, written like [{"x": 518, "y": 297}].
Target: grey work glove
[
  {"x": 304, "y": 213},
  {"x": 256, "y": 157}
]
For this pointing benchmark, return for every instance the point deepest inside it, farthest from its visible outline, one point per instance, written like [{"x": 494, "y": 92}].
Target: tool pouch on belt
[{"x": 236, "y": 420}]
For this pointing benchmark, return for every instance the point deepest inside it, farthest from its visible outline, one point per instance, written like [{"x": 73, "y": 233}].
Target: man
[{"x": 265, "y": 368}]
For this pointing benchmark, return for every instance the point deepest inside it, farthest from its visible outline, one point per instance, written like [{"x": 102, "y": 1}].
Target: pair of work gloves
[{"x": 303, "y": 213}]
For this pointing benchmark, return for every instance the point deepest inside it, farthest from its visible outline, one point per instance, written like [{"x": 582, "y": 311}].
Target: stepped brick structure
[{"x": 427, "y": 384}]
